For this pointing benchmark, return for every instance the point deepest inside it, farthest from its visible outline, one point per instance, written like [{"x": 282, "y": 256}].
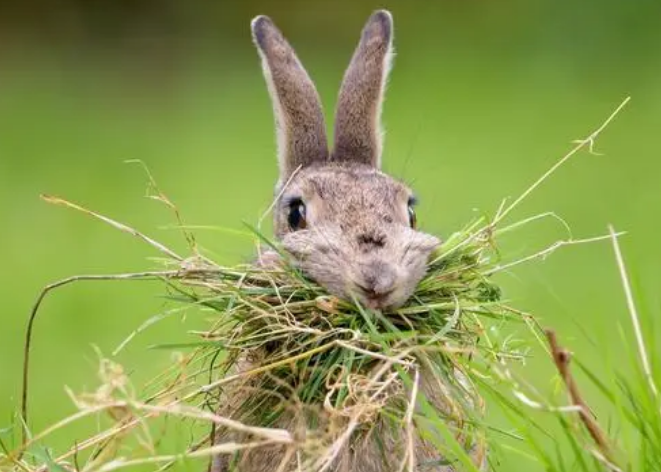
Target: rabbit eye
[
  {"x": 412, "y": 218},
  {"x": 413, "y": 221},
  {"x": 296, "y": 217}
]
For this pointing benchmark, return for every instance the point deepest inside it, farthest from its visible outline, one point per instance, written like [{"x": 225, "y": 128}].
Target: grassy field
[{"x": 466, "y": 128}]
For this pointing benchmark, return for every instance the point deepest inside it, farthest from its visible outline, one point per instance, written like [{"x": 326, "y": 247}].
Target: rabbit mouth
[
  {"x": 383, "y": 278},
  {"x": 378, "y": 284},
  {"x": 374, "y": 299},
  {"x": 380, "y": 302}
]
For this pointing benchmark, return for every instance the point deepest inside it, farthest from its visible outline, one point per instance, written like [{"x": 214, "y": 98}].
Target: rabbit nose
[
  {"x": 371, "y": 239},
  {"x": 378, "y": 279}
]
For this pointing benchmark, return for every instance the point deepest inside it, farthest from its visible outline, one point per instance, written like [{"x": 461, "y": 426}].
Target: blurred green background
[{"x": 484, "y": 97}]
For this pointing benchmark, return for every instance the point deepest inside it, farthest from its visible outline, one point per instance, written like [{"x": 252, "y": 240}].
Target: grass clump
[{"x": 334, "y": 361}]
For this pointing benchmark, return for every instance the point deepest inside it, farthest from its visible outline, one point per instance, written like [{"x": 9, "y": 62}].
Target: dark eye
[
  {"x": 296, "y": 215},
  {"x": 413, "y": 222}
]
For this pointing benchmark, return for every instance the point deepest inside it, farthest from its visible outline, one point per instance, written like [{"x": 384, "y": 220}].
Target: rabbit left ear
[
  {"x": 358, "y": 135},
  {"x": 301, "y": 132}
]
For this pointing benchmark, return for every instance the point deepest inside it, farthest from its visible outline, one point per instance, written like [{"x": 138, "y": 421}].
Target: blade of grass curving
[
  {"x": 120, "y": 226},
  {"x": 588, "y": 142},
  {"x": 27, "y": 346}
]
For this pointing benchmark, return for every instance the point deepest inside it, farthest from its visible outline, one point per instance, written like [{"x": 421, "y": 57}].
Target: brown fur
[
  {"x": 299, "y": 118},
  {"x": 357, "y": 241},
  {"x": 357, "y": 126}
]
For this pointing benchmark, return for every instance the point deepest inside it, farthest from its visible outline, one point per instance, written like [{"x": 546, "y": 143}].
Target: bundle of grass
[{"x": 340, "y": 369}]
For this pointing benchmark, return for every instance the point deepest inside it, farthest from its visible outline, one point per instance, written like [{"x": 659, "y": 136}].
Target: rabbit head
[{"x": 348, "y": 226}]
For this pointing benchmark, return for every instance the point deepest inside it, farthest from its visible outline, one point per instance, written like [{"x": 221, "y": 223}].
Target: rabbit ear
[
  {"x": 299, "y": 120},
  {"x": 358, "y": 117}
]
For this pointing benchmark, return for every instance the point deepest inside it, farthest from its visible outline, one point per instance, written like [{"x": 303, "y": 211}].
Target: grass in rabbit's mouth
[
  {"x": 321, "y": 350},
  {"x": 331, "y": 364}
]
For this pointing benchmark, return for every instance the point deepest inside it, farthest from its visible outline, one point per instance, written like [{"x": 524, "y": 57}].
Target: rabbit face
[
  {"x": 348, "y": 226},
  {"x": 351, "y": 230}
]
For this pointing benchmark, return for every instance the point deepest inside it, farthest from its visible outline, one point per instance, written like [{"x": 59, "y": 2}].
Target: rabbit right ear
[
  {"x": 299, "y": 120},
  {"x": 358, "y": 133}
]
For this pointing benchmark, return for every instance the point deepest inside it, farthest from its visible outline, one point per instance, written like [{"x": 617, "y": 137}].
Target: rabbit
[{"x": 346, "y": 224}]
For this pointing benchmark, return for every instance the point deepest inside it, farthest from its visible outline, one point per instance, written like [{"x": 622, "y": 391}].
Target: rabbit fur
[{"x": 348, "y": 226}]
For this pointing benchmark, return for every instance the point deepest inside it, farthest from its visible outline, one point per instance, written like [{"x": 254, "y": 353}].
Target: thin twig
[
  {"x": 151, "y": 275},
  {"x": 562, "y": 359},
  {"x": 548, "y": 251},
  {"x": 204, "y": 453},
  {"x": 366, "y": 352},
  {"x": 408, "y": 463},
  {"x": 580, "y": 144},
  {"x": 120, "y": 226},
  {"x": 65, "y": 422},
  {"x": 635, "y": 321},
  {"x": 275, "y": 435},
  {"x": 160, "y": 196}
]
